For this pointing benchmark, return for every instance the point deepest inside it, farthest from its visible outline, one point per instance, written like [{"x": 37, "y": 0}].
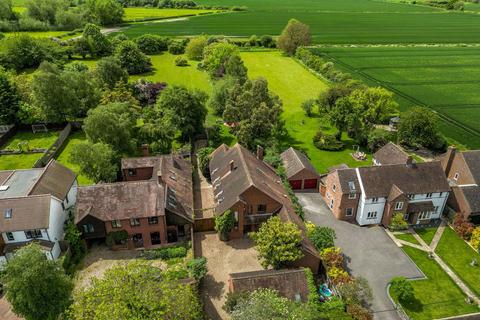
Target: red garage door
[
  {"x": 296, "y": 184},
  {"x": 310, "y": 184}
]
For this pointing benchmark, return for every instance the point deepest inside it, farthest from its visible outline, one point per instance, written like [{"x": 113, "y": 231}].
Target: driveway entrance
[{"x": 369, "y": 251}]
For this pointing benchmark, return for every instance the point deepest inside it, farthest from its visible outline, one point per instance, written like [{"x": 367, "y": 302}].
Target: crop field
[
  {"x": 340, "y": 22},
  {"x": 140, "y": 14},
  {"x": 294, "y": 84},
  {"x": 443, "y": 78},
  {"x": 64, "y": 35}
]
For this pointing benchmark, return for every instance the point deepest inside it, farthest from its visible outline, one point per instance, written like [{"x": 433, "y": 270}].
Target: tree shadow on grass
[{"x": 413, "y": 305}]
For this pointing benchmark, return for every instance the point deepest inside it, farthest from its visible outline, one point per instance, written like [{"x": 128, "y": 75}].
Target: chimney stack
[
  {"x": 232, "y": 166},
  {"x": 447, "y": 160},
  {"x": 409, "y": 162},
  {"x": 260, "y": 152},
  {"x": 145, "y": 150}
]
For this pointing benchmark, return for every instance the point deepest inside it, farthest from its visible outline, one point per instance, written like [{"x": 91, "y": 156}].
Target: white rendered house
[{"x": 34, "y": 206}]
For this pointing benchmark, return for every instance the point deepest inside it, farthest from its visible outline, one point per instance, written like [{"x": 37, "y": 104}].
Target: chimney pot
[{"x": 145, "y": 150}]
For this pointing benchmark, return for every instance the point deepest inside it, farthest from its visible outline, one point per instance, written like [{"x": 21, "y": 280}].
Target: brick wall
[
  {"x": 144, "y": 228},
  {"x": 459, "y": 166},
  {"x": 141, "y": 174},
  {"x": 340, "y": 201}
]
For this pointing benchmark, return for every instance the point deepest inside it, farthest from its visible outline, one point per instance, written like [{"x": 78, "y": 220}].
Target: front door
[{"x": 172, "y": 235}]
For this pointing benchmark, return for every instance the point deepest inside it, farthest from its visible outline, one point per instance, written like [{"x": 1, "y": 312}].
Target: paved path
[
  {"x": 438, "y": 235},
  {"x": 431, "y": 248}
]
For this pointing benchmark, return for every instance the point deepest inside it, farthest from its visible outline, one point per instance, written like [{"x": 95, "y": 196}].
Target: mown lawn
[
  {"x": 426, "y": 234},
  {"x": 458, "y": 255},
  {"x": 26, "y": 161},
  {"x": 294, "y": 84},
  {"x": 407, "y": 237},
  {"x": 437, "y": 296},
  {"x": 64, "y": 35},
  {"x": 64, "y": 157},
  {"x": 141, "y": 14},
  {"x": 35, "y": 140}
]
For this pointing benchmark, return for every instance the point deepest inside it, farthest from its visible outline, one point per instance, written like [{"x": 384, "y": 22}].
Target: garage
[
  {"x": 296, "y": 184},
  {"x": 299, "y": 170},
  {"x": 310, "y": 184}
]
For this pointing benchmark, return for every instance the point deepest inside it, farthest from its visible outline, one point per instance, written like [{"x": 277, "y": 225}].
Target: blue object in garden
[{"x": 324, "y": 291}]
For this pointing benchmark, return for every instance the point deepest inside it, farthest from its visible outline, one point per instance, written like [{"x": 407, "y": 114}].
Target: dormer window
[
  {"x": 8, "y": 213},
  {"x": 374, "y": 200}
]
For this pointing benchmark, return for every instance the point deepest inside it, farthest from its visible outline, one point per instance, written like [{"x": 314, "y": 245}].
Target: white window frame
[
  {"x": 425, "y": 215},
  {"x": 372, "y": 215},
  {"x": 116, "y": 224},
  {"x": 374, "y": 200},
  {"x": 456, "y": 176},
  {"x": 334, "y": 188},
  {"x": 346, "y": 212},
  {"x": 411, "y": 196},
  {"x": 352, "y": 195},
  {"x": 399, "y": 205},
  {"x": 429, "y": 195}
]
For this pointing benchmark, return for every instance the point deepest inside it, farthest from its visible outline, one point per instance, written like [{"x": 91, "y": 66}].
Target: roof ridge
[
  {"x": 244, "y": 163},
  {"x": 28, "y": 197}
]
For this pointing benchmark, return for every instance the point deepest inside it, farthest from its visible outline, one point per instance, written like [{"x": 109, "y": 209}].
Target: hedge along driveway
[{"x": 294, "y": 84}]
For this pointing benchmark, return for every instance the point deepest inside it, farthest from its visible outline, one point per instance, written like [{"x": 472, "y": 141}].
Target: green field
[
  {"x": 25, "y": 161},
  {"x": 437, "y": 296},
  {"x": 43, "y": 34},
  {"x": 458, "y": 255},
  {"x": 64, "y": 156},
  {"x": 443, "y": 78},
  {"x": 141, "y": 14},
  {"x": 340, "y": 22},
  {"x": 294, "y": 84}
]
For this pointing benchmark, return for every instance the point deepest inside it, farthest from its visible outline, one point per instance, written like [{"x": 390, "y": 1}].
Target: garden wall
[{"x": 55, "y": 149}]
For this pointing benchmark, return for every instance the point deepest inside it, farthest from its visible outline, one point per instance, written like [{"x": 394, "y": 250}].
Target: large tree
[
  {"x": 97, "y": 161},
  {"x": 195, "y": 47},
  {"x": 6, "y": 10},
  {"x": 294, "y": 35},
  {"x": 157, "y": 130},
  {"x": 9, "y": 99},
  {"x": 419, "y": 127},
  {"x": 216, "y": 56},
  {"x": 136, "y": 290},
  {"x": 109, "y": 72},
  {"x": 95, "y": 42},
  {"x": 37, "y": 288},
  {"x": 113, "y": 124},
  {"x": 278, "y": 243},
  {"x": 63, "y": 95},
  {"x": 255, "y": 110},
  {"x": 184, "y": 109},
  {"x": 132, "y": 58},
  {"x": 105, "y": 12}
]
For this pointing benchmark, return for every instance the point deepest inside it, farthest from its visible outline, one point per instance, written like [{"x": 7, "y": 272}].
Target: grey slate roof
[
  {"x": 295, "y": 161},
  {"x": 472, "y": 159},
  {"x": 420, "y": 178},
  {"x": 472, "y": 195},
  {"x": 391, "y": 154}
]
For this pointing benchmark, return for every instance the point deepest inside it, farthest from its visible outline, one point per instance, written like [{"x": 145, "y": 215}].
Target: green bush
[
  {"x": 313, "y": 295},
  {"x": 176, "y": 274},
  {"x": 176, "y": 47},
  {"x": 398, "y": 222},
  {"x": 180, "y": 61},
  {"x": 152, "y": 44},
  {"x": 165, "y": 253},
  {"x": 327, "y": 142},
  {"x": 322, "y": 237},
  {"x": 224, "y": 223},
  {"x": 402, "y": 288},
  {"x": 232, "y": 300},
  {"x": 197, "y": 268},
  {"x": 116, "y": 237}
]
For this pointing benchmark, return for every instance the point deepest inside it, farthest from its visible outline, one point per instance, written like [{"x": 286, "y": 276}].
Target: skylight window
[
  {"x": 8, "y": 213},
  {"x": 4, "y": 188},
  {"x": 351, "y": 185}
]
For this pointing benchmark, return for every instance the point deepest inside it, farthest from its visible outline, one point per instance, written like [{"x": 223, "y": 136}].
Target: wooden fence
[{"x": 54, "y": 149}]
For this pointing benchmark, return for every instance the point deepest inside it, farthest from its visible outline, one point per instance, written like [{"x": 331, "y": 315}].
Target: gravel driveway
[{"x": 370, "y": 253}]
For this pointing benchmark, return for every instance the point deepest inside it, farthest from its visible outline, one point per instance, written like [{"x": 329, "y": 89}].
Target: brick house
[
  {"x": 372, "y": 195},
  {"x": 35, "y": 204},
  {"x": 463, "y": 173},
  {"x": 299, "y": 170},
  {"x": 154, "y": 204},
  {"x": 244, "y": 184},
  {"x": 390, "y": 154}
]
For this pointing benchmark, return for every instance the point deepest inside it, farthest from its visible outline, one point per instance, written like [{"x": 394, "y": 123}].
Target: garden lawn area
[
  {"x": 142, "y": 14},
  {"x": 294, "y": 84},
  {"x": 35, "y": 140},
  {"x": 19, "y": 161},
  {"x": 458, "y": 255},
  {"x": 426, "y": 234},
  {"x": 64, "y": 35},
  {"x": 437, "y": 296},
  {"x": 64, "y": 157},
  {"x": 407, "y": 237}
]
